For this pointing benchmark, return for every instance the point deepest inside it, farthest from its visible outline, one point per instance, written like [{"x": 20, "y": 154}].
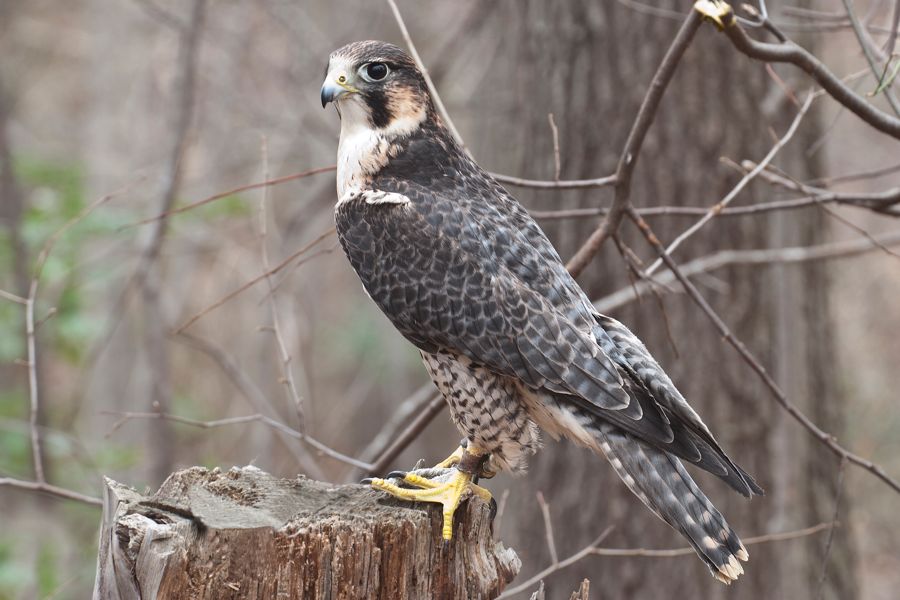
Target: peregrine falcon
[{"x": 507, "y": 335}]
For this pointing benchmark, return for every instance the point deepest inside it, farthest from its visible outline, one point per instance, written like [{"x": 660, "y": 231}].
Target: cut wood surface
[{"x": 243, "y": 533}]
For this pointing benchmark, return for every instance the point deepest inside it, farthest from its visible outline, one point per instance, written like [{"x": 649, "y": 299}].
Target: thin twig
[
  {"x": 867, "y": 174},
  {"x": 257, "y": 279},
  {"x": 548, "y": 528},
  {"x": 895, "y": 28},
  {"x": 148, "y": 276},
  {"x": 557, "y": 166},
  {"x": 594, "y": 549},
  {"x": 726, "y": 258},
  {"x": 12, "y": 297},
  {"x": 287, "y": 373},
  {"x": 556, "y": 566},
  {"x": 632, "y": 149},
  {"x": 860, "y": 230},
  {"x": 232, "y": 192},
  {"x": 737, "y": 189},
  {"x": 825, "y": 438},
  {"x": 688, "y": 551},
  {"x": 880, "y": 202},
  {"x": 501, "y": 509},
  {"x": 790, "y": 52},
  {"x": 189, "y": 51},
  {"x": 34, "y": 404},
  {"x": 838, "y": 493},
  {"x": 438, "y": 103},
  {"x": 30, "y": 329},
  {"x": 46, "y": 488},
  {"x": 124, "y": 417},
  {"x": 407, "y": 410},
  {"x": 253, "y": 395},
  {"x": 408, "y": 436},
  {"x": 562, "y": 184},
  {"x": 873, "y": 63}
]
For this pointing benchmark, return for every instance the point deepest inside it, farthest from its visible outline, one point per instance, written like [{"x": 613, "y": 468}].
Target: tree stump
[{"x": 245, "y": 534}]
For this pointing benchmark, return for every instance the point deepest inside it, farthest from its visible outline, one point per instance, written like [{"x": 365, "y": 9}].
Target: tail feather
[{"x": 661, "y": 482}]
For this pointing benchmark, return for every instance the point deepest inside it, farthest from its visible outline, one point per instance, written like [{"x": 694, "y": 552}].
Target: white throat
[{"x": 363, "y": 150}]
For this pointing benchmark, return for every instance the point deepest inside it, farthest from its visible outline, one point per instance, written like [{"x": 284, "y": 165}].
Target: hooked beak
[{"x": 336, "y": 85}]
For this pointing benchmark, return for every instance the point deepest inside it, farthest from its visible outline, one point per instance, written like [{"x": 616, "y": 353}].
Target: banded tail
[{"x": 661, "y": 482}]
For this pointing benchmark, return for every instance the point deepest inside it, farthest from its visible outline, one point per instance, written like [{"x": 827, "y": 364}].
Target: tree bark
[
  {"x": 589, "y": 63},
  {"x": 247, "y": 534}
]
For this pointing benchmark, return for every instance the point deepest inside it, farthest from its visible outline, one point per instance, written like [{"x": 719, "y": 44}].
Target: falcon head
[{"x": 377, "y": 86}]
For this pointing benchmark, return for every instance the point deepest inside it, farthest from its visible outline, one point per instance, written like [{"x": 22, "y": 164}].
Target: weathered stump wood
[{"x": 245, "y": 534}]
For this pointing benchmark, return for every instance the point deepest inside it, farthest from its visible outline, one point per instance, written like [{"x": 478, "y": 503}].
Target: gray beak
[
  {"x": 333, "y": 89},
  {"x": 330, "y": 92}
]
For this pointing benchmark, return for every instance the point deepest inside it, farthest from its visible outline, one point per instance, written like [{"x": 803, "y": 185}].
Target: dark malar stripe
[{"x": 378, "y": 107}]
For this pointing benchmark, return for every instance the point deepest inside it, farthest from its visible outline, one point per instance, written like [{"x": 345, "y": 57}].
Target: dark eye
[{"x": 376, "y": 71}]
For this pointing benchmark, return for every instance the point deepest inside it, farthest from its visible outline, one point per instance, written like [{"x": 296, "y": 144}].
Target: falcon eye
[{"x": 374, "y": 71}]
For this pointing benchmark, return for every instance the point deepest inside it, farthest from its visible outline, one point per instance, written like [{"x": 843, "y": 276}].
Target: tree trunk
[
  {"x": 590, "y": 63},
  {"x": 246, "y": 534}
]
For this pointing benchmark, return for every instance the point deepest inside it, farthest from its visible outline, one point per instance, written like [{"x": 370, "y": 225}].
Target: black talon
[
  {"x": 493, "y": 505},
  {"x": 396, "y": 475},
  {"x": 366, "y": 481}
]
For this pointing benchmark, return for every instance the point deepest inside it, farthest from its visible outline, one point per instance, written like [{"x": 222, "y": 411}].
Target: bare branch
[
  {"x": 548, "y": 528},
  {"x": 630, "y": 153},
  {"x": 873, "y": 63},
  {"x": 688, "y": 551},
  {"x": 438, "y": 103},
  {"x": 190, "y": 41},
  {"x": 557, "y": 166},
  {"x": 124, "y": 417},
  {"x": 895, "y": 28},
  {"x": 408, "y": 436},
  {"x": 868, "y": 174},
  {"x": 232, "y": 192},
  {"x": 562, "y": 184},
  {"x": 881, "y": 202},
  {"x": 594, "y": 549},
  {"x": 34, "y": 406},
  {"x": 407, "y": 410},
  {"x": 287, "y": 372},
  {"x": 826, "y": 438},
  {"x": 736, "y": 190},
  {"x": 838, "y": 492},
  {"x": 258, "y": 278},
  {"x": 46, "y": 488},
  {"x": 789, "y": 52},
  {"x": 556, "y": 566},
  {"x": 12, "y": 297},
  {"x": 254, "y": 396},
  {"x": 726, "y": 258},
  {"x": 30, "y": 329}
]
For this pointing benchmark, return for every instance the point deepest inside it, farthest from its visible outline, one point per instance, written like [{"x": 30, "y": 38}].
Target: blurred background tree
[{"x": 90, "y": 98}]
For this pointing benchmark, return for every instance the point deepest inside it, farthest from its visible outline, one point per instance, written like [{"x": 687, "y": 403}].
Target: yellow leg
[
  {"x": 447, "y": 494},
  {"x": 451, "y": 460},
  {"x": 454, "y": 459}
]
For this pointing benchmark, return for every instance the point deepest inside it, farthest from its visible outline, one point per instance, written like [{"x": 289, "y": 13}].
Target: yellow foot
[
  {"x": 451, "y": 460},
  {"x": 484, "y": 472},
  {"x": 448, "y": 494},
  {"x": 717, "y": 11}
]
